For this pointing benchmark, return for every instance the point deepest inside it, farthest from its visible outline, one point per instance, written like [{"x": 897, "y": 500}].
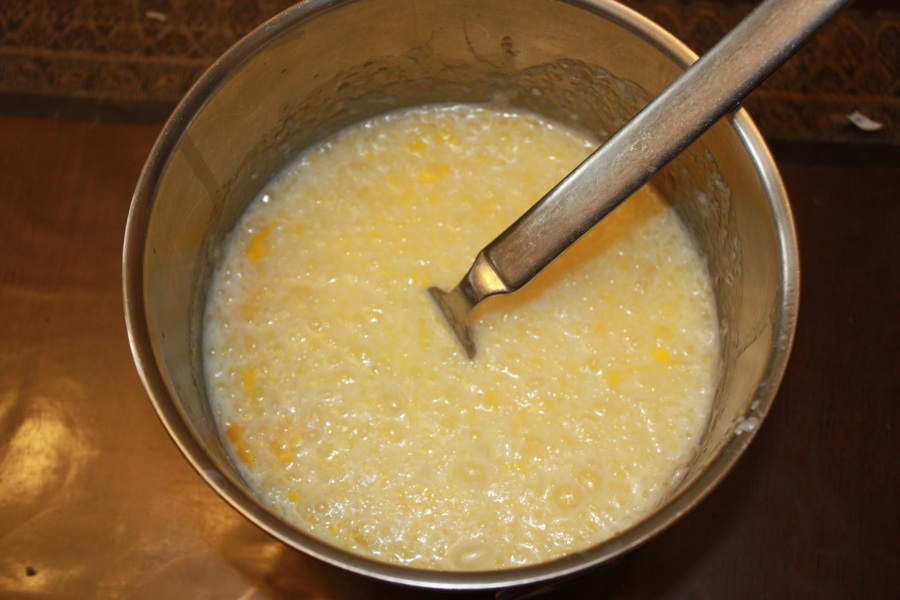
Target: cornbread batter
[{"x": 354, "y": 414}]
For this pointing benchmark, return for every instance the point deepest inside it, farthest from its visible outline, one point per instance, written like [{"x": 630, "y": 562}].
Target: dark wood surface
[
  {"x": 131, "y": 58},
  {"x": 95, "y": 501}
]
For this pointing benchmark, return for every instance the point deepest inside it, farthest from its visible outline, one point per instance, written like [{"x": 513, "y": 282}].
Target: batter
[{"x": 354, "y": 414}]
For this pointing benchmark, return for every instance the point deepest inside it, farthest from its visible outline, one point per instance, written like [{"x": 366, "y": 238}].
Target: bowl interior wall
[{"x": 317, "y": 68}]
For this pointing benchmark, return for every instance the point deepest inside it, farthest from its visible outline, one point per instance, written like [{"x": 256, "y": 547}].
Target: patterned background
[{"x": 134, "y": 59}]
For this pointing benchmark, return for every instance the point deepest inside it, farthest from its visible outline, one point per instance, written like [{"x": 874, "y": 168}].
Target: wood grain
[{"x": 96, "y": 502}]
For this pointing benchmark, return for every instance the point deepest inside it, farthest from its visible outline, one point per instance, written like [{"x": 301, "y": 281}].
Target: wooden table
[{"x": 95, "y": 500}]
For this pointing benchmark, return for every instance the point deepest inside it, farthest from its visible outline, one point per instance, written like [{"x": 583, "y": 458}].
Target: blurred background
[{"x": 134, "y": 59}]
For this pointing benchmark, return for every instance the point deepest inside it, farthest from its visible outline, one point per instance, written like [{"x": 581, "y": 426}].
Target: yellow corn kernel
[
  {"x": 256, "y": 249},
  {"x": 234, "y": 433},
  {"x": 281, "y": 453},
  {"x": 359, "y": 538},
  {"x": 662, "y": 355},
  {"x": 248, "y": 377},
  {"x": 250, "y": 309},
  {"x": 245, "y": 454}
]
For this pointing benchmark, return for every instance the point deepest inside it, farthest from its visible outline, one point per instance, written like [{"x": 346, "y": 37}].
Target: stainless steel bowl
[{"x": 325, "y": 64}]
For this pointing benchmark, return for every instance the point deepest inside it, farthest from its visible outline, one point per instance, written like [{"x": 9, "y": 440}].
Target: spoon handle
[{"x": 698, "y": 98}]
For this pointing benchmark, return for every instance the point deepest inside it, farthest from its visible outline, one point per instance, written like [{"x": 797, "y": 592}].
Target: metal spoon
[{"x": 689, "y": 106}]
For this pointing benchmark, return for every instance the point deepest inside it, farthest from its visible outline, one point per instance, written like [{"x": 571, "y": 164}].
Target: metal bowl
[{"x": 322, "y": 65}]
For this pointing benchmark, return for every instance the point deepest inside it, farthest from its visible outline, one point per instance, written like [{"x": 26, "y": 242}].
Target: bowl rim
[{"x": 569, "y": 566}]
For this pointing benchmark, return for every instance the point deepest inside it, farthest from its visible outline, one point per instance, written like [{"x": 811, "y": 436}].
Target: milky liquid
[{"x": 349, "y": 406}]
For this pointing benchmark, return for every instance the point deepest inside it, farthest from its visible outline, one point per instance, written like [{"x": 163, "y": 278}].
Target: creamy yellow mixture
[{"x": 350, "y": 407}]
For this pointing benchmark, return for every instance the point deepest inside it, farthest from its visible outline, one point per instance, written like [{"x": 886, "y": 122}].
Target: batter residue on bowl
[{"x": 349, "y": 406}]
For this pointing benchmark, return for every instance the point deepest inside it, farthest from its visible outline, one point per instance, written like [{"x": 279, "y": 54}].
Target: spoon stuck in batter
[{"x": 707, "y": 90}]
